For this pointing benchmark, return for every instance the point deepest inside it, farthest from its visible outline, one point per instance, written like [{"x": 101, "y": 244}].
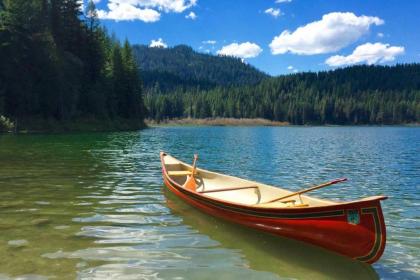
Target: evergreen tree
[{"x": 58, "y": 65}]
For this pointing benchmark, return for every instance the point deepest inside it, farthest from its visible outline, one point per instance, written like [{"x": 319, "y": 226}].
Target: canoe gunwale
[{"x": 334, "y": 204}]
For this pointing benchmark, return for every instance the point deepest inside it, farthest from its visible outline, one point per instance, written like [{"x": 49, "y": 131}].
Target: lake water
[{"x": 93, "y": 206}]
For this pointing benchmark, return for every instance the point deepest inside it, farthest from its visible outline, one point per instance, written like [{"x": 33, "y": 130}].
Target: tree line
[
  {"x": 58, "y": 63},
  {"x": 353, "y": 95}
]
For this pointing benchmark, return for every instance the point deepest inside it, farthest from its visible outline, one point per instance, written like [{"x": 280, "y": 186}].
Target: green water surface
[{"x": 93, "y": 206}]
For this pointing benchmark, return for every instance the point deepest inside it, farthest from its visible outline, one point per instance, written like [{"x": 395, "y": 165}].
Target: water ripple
[{"x": 92, "y": 206}]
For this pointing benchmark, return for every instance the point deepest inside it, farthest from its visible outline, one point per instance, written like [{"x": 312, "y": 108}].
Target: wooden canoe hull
[{"x": 356, "y": 230}]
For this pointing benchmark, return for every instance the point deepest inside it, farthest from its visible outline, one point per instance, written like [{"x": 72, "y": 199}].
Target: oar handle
[
  {"x": 310, "y": 189},
  {"x": 194, "y": 164}
]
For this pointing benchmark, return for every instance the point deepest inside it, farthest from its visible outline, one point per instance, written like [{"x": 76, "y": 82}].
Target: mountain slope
[
  {"x": 181, "y": 66},
  {"x": 353, "y": 95}
]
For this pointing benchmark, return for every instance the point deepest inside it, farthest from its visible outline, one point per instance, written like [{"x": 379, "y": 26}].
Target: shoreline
[
  {"x": 215, "y": 122},
  {"x": 93, "y": 125},
  {"x": 254, "y": 122}
]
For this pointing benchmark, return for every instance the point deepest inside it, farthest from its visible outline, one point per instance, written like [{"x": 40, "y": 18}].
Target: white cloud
[
  {"x": 124, "y": 11},
  {"x": 243, "y": 50},
  {"x": 144, "y": 10},
  {"x": 295, "y": 70},
  {"x": 209, "y": 42},
  {"x": 367, "y": 53},
  {"x": 283, "y": 1},
  {"x": 158, "y": 44},
  {"x": 177, "y": 6},
  {"x": 191, "y": 15},
  {"x": 380, "y": 34},
  {"x": 273, "y": 12},
  {"x": 333, "y": 32},
  {"x": 290, "y": 67}
]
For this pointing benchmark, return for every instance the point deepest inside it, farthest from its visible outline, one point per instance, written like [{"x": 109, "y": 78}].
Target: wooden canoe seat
[{"x": 179, "y": 173}]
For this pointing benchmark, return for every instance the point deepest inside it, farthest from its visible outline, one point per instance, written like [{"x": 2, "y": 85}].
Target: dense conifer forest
[
  {"x": 353, "y": 95},
  {"x": 58, "y": 64}
]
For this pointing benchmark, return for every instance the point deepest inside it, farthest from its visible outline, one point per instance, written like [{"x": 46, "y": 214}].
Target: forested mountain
[
  {"x": 166, "y": 69},
  {"x": 180, "y": 82},
  {"x": 353, "y": 95},
  {"x": 60, "y": 65}
]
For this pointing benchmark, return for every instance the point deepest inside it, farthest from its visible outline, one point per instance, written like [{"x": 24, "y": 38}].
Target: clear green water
[{"x": 92, "y": 206}]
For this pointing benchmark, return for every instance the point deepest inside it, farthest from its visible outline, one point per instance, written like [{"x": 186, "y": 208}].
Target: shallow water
[{"x": 92, "y": 206}]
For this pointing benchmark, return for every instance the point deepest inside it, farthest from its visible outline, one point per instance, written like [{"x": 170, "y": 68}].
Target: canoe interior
[{"x": 257, "y": 194}]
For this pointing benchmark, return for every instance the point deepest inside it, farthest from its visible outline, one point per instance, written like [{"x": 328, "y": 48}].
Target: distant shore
[
  {"x": 215, "y": 122},
  {"x": 247, "y": 122},
  {"x": 95, "y": 125}
]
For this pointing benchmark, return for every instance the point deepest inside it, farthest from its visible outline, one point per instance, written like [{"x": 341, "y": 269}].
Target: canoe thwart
[
  {"x": 230, "y": 189},
  {"x": 257, "y": 191},
  {"x": 179, "y": 173}
]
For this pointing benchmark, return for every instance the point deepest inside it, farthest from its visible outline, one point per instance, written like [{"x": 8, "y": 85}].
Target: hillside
[
  {"x": 352, "y": 95},
  {"x": 165, "y": 69}
]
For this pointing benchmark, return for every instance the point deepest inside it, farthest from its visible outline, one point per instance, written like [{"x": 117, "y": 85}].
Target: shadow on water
[{"x": 265, "y": 252}]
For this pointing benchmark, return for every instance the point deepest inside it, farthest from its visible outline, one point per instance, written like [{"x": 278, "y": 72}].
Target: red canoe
[{"x": 355, "y": 229}]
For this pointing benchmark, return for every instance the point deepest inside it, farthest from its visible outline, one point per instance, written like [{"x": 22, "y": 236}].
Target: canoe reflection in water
[{"x": 261, "y": 251}]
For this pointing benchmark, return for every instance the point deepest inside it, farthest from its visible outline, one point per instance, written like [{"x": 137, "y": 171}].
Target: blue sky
[{"x": 278, "y": 38}]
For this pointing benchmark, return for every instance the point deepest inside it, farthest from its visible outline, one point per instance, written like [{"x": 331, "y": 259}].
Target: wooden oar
[
  {"x": 190, "y": 183},
  {"x": 309, "y": 189}
]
